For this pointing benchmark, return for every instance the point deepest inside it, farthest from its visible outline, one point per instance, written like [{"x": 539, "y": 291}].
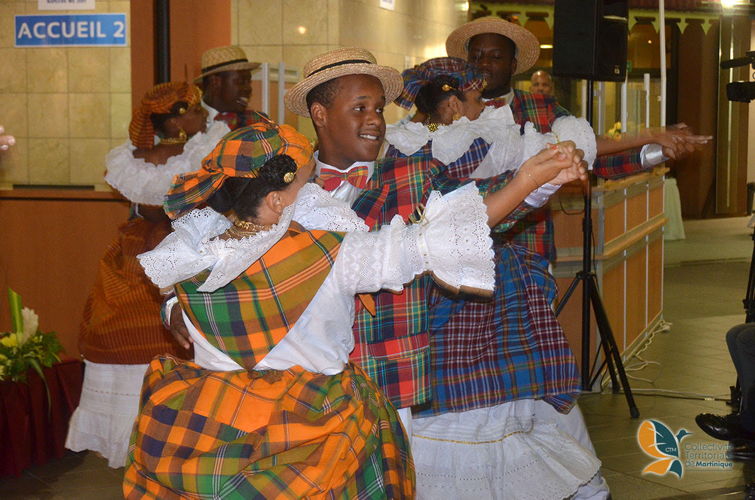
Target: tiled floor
[{"x": 702, "y": 300}]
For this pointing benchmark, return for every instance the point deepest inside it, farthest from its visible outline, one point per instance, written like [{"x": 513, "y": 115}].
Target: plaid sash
[{"x": 246, "y": 318}]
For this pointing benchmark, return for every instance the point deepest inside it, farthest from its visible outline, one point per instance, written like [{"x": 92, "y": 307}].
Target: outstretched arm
[
  {"x": 555, "y": 166},
  {"x": 675, "y": 140}
]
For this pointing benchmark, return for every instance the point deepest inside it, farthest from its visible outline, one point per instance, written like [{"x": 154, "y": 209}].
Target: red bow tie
[
  {"x": 332, "y": 177},
  {"x": 232, "y": 119}
]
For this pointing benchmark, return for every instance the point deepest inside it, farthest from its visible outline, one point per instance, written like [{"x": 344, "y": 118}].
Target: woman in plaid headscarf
[
  {"x": 121, "y": 330},
  {"x": 490, "y": 360},
  {"x": 271, "y": 406}
]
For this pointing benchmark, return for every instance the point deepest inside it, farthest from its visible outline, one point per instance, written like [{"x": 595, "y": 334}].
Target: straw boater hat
[
  {"x": 527, "y": 46},
  {"x": 341, "y": 62},
  {"x": 229, "y": 58}
]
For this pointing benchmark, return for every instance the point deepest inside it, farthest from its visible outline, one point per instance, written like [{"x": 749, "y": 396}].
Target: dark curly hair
[
  {"x": 324, "y": 93},
  {"x": 243, "y": 195},
  {"x": 432, "y": 95}
]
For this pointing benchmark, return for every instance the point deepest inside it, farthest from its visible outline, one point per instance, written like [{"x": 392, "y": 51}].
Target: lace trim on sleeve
[
  {"x": 193, "y": 247},
  {"x": 452, "y": 241},
  {"x": 317, "y": 209}
]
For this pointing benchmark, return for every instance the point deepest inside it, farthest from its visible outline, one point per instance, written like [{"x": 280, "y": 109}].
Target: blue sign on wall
[{"x": 75, "y": 30}]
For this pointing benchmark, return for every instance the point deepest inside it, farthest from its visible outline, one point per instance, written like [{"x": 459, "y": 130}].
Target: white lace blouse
[
  {"x": 145, "y": 183},
  {"x": 453, "y": 242}
]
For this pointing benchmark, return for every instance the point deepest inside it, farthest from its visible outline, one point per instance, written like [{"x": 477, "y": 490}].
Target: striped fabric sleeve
[{"x": 618, "y": 165}]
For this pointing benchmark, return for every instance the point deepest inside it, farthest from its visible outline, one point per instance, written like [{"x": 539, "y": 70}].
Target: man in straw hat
[
  {"x": 344, "y": 92},
  {"x": 226, "y": 80},
  {"x": 502, "y": 49}
]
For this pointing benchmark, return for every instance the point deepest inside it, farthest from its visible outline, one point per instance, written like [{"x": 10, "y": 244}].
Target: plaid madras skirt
[
  {"x": 485, "y": 353},
  {"x": 271, "y": 434}
]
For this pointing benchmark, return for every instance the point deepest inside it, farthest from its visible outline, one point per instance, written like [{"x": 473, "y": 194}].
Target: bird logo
[{"x": 657, "y": 440}]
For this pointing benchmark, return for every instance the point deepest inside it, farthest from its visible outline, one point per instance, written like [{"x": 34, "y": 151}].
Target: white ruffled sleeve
[
  {"x": 180, "y": 255},
  {"x": 146, "y": 183},
  {"x": 452, "y": 241},
  {"x": 571, "y": 128}
]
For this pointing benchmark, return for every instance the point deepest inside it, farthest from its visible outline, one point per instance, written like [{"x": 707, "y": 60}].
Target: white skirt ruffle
[
  {"x": 107, "y": 410},
  {"x": 497, "y": 452}
]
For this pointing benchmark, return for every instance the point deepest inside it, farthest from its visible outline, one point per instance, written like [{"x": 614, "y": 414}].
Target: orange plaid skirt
[{"x": 271, "y": 434}]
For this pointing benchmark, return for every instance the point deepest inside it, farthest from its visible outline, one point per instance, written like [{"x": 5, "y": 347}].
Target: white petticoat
[
  {"x": 107, "y": 410},
  {"x": 497, "y": 452}
]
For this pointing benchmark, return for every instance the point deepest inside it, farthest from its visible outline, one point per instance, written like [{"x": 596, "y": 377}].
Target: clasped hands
[
  {"x": 557, "y": 164},
  {"x": 677, "y": 140}
]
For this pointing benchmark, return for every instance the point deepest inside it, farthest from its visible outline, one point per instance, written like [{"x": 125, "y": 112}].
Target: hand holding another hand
[
  {"x": 559, "y": 164},
  {"x": 678, "y": 140}
]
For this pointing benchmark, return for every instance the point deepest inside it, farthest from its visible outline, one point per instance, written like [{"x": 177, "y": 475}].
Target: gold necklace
[
  {"x": 244, "y": 228},
  {"x": 181, "y": 139}
]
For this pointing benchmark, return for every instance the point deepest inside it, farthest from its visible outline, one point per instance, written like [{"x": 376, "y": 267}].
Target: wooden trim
[{"x": 60, "y": 194}]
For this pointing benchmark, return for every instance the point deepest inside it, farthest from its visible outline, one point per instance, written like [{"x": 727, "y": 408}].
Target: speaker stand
[{"x": 591, "y": 299}]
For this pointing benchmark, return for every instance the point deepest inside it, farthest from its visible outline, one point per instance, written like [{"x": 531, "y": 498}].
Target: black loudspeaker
[{"x": 590, "y": 39}]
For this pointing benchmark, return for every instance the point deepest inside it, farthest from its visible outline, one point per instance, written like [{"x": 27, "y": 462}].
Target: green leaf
[
  {"x": 15, "y": 306},
  {"x": 37, "y": 368}
]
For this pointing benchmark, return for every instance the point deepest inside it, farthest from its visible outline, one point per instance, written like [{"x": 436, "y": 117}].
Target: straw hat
[
  {"x": 229, "y": 58},
  {"x": 527, "y": 45},
  {"x": 337, "y": 63}
]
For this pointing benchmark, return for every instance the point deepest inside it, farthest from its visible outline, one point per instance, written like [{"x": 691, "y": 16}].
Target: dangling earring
[
  {"x": 181, "y": 139},
  {"x": 456, "y": 116}
]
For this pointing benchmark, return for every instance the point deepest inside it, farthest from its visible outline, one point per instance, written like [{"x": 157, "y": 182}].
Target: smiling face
[
  {"x": 352, "y": 127},
  {"x": 229, "y": 90},
  {"x": 494, "y": 54}
]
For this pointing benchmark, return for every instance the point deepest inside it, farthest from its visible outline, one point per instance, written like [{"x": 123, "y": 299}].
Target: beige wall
[
  {"x": 293, "y": 31},
  {"x": 66, "y": 106}
]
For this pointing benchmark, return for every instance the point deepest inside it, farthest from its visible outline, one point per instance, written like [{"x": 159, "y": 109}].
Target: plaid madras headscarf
[
  {"x": 240, "y": 154},
  {"x": 467, "y": 75},
  {"x": 159, "y": 101}
]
